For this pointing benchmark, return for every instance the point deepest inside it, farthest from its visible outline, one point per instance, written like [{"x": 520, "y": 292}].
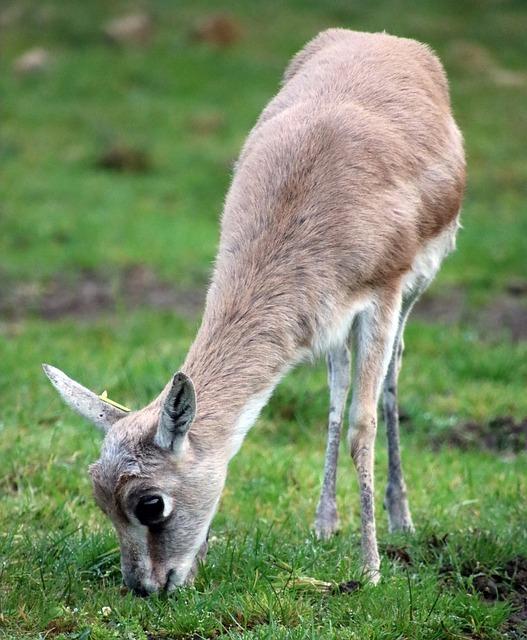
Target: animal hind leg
[
  {"x": 396, "y": 498},
  {"x": 327, "y": 519},
  {"x": 374, "y": 332}
]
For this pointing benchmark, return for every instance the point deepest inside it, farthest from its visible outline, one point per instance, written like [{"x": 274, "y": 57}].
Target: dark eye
[{"x": 149, "y": 510}]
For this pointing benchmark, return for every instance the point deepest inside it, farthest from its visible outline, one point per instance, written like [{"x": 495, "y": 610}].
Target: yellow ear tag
[{"x": 104, "y": 397}]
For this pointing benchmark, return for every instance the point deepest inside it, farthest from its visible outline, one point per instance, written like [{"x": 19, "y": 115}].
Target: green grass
[{"x": 60, "y": 215}]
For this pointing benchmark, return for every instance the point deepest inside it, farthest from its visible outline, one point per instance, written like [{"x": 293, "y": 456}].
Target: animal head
[{"x": 159, "y": 488}]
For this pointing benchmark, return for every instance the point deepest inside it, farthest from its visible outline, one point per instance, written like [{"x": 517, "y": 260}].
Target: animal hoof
[
  {"x": 372, "y": 575},
  {"x": 396, "y": 502},
  {"x": 326, "y": 522},
  {"x": 326, "y": 519},
  {"x": 400, "y": 520},
  {"x": 326, "y": 530},
  {"x": 405, "y": 526}
]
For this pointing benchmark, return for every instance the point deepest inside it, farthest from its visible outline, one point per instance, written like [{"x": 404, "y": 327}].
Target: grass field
[{"x": 102, "y": 273}]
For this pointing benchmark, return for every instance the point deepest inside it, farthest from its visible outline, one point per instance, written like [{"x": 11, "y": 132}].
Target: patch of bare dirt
[
  {"x": 398, "y": 554},
  {"x": 95, "y": 293},
  {"x": 517, "y": 287},
  {"x": 348, "y": 587},
  {"x": 447, "y": 307},
  {"x": 506, "y": 313},
  {"x": 141, "y": 287},
  {"x": 121, "y": 157},
  {"x": 502, "y": 434},
  {"x": 58, "y": 626},
  {"x": 507, "y": 583},
  {"x": 207, "y": 123},
  {"x": 220, "y": 29},
  {"x": 435, "y": 542}
]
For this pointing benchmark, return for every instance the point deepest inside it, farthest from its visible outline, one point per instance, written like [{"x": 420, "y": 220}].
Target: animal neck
[{"x": 248, "y": 339}]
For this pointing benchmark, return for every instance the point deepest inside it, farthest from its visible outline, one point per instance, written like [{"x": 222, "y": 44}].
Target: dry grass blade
[{"x": 308, "y": 583}]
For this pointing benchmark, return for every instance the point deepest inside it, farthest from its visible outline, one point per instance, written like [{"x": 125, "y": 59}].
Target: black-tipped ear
[{"x": 177, "y": 414}]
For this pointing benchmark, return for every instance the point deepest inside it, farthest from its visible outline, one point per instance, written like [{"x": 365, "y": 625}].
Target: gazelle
[{"x": 344, "y": 201}]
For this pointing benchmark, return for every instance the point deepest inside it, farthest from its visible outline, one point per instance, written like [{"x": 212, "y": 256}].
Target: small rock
[
  {"x": 32, "y": 62},
  {"x": 219, "y": 29},
  {"x": 134, "y": 29}
]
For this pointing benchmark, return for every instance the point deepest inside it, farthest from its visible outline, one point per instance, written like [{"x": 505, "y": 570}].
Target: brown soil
[
  {"x": 447, "y": 307},
  {"x": 517, "y": 287},
  {"x": 503, "y": 434},
  {"x": 59, "y": 626},
  {"x": 507, "y": 313},
  {"x": 124, "y": 159},
  {"x": 221, "y": 30},
  {"x": 348, "y": 587},
  {"x": 206, "y": 123},
  {"x": 398, "y": 554},
  {"x": 95, "y": 293},
  {"x": 507, "y": 583},
  {"x": 435, "y": 542}
]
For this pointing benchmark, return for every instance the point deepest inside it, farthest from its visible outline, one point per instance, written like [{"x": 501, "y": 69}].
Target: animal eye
[{"x": 149, "y": 510}]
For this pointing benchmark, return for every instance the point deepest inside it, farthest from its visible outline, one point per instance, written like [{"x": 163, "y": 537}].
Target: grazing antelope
[{"x": 343, "y": 203}]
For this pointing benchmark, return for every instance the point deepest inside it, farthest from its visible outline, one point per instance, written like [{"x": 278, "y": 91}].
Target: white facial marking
[
  {"x": 136, "y": 537},
  {"x": 168, "y": 505},
  {"x": 184, "y": 565}
]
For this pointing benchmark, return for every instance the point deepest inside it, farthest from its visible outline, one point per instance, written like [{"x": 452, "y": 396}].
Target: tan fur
[
  {"x": 350, "y": 171},
  {"x": 351, "y": 168}
]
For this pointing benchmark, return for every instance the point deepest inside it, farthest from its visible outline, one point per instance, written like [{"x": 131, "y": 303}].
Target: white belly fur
[{"x": 427, "y": 262}]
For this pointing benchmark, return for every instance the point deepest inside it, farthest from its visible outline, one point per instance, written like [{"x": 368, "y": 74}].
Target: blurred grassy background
[
  {"x": 188, "y": 104},
  {"x": 115, "y": 152}
]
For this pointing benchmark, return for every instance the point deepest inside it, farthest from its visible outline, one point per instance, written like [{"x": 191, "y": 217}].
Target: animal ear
[
  {"x": 177, "y": 414},
  {"x": 82, "y": 400}
]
